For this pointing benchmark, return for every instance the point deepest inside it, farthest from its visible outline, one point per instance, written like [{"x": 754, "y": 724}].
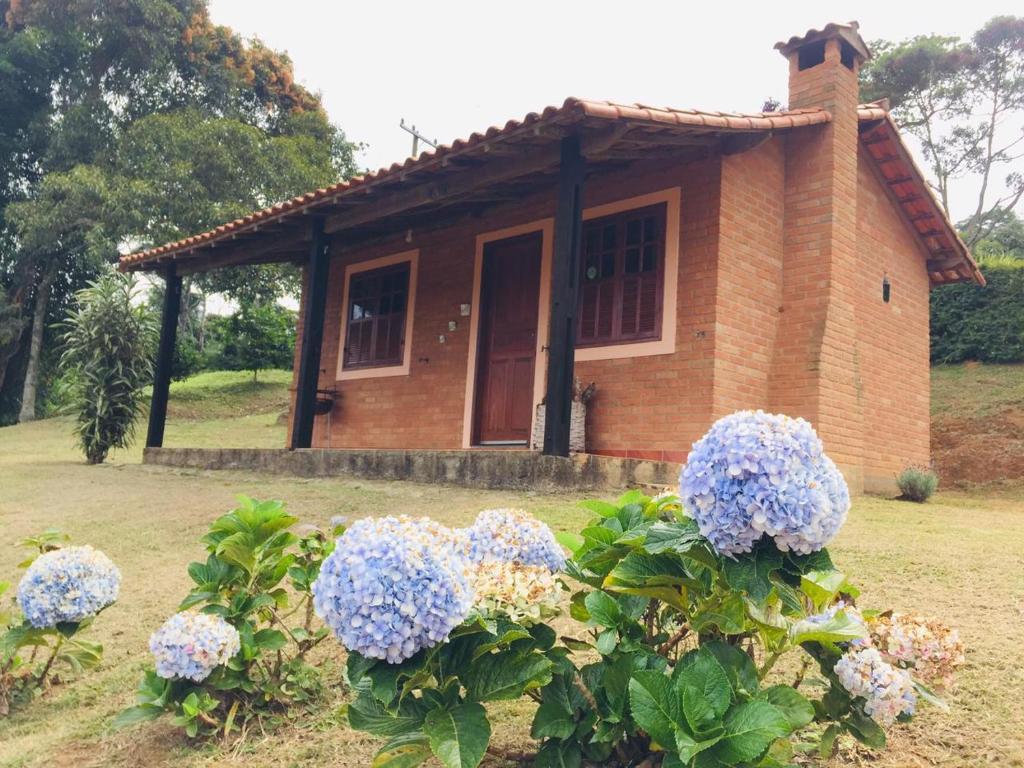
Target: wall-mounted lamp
[{"x": 886, "y": 289}]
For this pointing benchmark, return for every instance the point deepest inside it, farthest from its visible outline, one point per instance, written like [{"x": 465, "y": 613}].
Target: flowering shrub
[
  {"x": 237, "y": 648},
  {"x": 67, "y": 586},
  {"x": 525, "y": 594},
  {"x": 513, "y": 536},
  {"x": 887, "y": 692},
  {"x": 191, "y": 645},
  {"x": 445, "y": 622},
  {"x": 682, "y": 620},
  {"x": 929, "y": 647},
  {"x": 756, "y": 474},
  {"x": 61, "y": 592},
  {"x": 393, "y": 587}
]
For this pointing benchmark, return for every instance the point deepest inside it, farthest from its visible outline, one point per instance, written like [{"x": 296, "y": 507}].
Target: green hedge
[{"x": 986, "y": 324}]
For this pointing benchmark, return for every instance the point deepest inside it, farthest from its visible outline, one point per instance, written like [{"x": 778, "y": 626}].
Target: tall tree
[
  {"x": 964, "y": 102},
  {"x": 80, "y": 75}
]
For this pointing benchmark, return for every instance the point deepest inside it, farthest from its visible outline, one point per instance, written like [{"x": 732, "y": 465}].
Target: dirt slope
[{"x": 978, "y": 423}]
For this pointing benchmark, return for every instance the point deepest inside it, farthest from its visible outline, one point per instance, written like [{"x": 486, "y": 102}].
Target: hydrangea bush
[
  {"x": 62, "y": 590},
  {"x": 684, "y": 606},
  {"x": 237, "y": 648},
  {"x": 67, "y": 586},
  {"x": 190, "y": 645},
  {"x": 758, "y": 475},
  {"x": 393, "y": 587}
]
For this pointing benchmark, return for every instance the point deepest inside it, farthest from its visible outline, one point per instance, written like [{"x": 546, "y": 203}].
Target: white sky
[{"x": 452, "y": 67}]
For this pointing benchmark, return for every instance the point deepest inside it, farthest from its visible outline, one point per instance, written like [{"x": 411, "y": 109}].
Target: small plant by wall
[{"x": 917, "y": 484}]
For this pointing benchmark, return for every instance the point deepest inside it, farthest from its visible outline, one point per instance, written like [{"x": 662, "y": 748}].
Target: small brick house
[{"x": 689, "y": 263}]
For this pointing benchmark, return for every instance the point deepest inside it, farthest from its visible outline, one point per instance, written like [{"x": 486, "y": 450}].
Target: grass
[
  {"x": 972, "y": 390},
  {"x": 958, "y": 558}
]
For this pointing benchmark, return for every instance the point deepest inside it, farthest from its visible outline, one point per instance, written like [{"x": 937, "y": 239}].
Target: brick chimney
[{"x": 815, "y": 370}]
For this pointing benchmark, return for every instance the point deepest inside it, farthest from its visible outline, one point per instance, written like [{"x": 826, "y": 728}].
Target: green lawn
[{"x": 958, "y": 558}]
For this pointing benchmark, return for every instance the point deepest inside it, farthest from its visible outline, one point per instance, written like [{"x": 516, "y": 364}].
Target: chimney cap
[{"x": 846, "y": 32}]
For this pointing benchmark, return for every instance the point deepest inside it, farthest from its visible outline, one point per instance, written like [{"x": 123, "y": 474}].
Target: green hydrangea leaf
[
  {"x": 458, "y": 736},
  {"x": 797, "y": 710},
  {"x": 702, "y": 671},
  {"x": 499, "y": 676},
  {"x": 655, "y": 705},
  {"x": 751, "y": 572},
  {"x": 750, "y": 728},
  {"x": 405, "y": 751},
  {"x": 738, "y": 666}
]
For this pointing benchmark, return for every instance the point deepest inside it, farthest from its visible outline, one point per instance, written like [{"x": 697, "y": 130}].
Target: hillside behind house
[{"x": 978, "y": 423}]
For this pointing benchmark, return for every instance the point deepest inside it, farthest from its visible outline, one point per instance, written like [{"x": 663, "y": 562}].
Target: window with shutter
[
  {"x": 375, "y": 331},
  {"x": 622, "y": 275}
]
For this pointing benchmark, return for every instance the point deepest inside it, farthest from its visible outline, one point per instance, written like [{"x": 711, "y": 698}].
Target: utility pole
[{"x": 417, "y": 137}]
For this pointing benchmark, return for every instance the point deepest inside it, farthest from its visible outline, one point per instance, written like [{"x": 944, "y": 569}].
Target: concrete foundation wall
[{"x": 512, "y": 470}]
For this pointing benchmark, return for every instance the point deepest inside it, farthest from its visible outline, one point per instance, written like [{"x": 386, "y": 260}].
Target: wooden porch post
[
  {"x": 164, "y": 357},
  {"x": 312, "y": 337},
  {"x": 564, "y": 289}
]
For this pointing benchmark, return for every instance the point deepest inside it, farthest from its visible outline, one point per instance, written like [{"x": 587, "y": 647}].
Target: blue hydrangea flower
[
  {"x": 513, "y": 536},
  {"x": 758, "y": 474},
  {"x": 67, "y": 585},
  {"x": 888, "y": 692},
  {"x": 394, "y": 586},
  {"x": 191, "y": 645}
]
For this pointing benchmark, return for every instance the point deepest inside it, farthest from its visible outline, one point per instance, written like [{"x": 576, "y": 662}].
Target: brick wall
[
  {"x": 425, "y": 409},
  {"x": 892, "y": 339},
  {"x": 748, "y": 284}
]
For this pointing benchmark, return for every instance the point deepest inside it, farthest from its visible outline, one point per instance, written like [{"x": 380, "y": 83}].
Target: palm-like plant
[{"x": 108, "y": 340}]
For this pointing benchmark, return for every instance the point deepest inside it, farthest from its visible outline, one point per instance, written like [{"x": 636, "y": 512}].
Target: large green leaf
[
  {"x": 673, "y": 537},
  {"x": 558, "y": 754},
  {"x": 639, "y": 569},
  {"x": 459, "y": 736},
  {"x": 602, "y": 508},
  {"x": 729, "y": 614},
  {"x": 750, "y": 572},
  {"x": 750, "y": 728},
  {"x": 738, "y": 666},
  {"x": 823, "y": 586},
  {"x": 552, "y": 721},
  {"x": 689, "y": 747},
  {"x": 655, "y": 705},
  {"x": 701, "y": 671},
  {"x": 797, "y": 710},
  {"x": 603, "y": 608},
  {"x": 865, "y": 730},
  {"x": 405, "y": 751},
  {"x": 839, "y": 629},
  {"x": 367, "y": 714},
  {"x": 504, "y": 676}
]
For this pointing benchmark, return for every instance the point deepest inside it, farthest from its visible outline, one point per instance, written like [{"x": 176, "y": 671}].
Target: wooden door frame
[{"x": 546, "y": 228}]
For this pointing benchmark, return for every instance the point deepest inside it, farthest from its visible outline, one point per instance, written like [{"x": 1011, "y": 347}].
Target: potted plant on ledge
[{"x": 581, "y": 395}]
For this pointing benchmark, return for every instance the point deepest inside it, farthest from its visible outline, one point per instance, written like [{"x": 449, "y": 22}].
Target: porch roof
[
  {"x": 501, "y": 164},
  {"x": 505, "y": 163}
]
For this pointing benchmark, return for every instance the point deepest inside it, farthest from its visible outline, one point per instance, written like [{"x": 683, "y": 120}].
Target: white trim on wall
[
  {"x": 666, "y": 345},
  {"x": 413, "y": 257}
]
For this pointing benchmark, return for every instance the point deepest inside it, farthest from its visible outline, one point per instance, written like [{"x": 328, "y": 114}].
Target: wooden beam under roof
[{"x": 462, "y": 184}]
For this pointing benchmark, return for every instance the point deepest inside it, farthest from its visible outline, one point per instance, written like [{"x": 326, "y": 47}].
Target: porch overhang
[
  {"x": 949, "y": 259},
  {"x": 498, "y": 166}
]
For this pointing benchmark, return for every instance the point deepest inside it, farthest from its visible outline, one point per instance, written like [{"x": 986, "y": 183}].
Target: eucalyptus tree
[{"x": 963, "y": 100}]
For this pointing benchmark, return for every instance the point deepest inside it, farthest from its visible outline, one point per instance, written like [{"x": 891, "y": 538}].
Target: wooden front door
[{"x": 509, "y": 295}]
